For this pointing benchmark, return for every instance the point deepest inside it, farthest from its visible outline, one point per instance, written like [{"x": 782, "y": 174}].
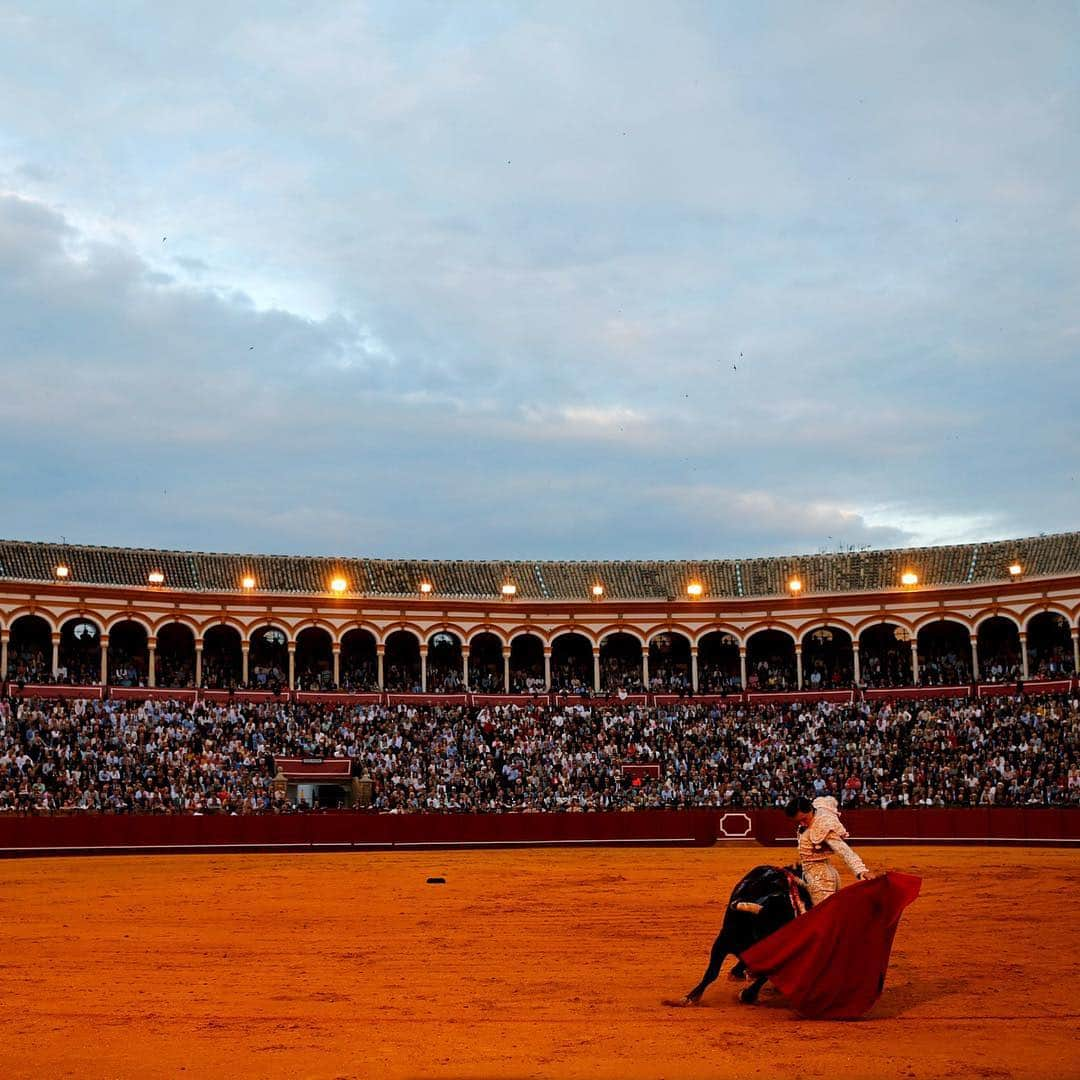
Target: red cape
[{"x": 831, "y": 962}]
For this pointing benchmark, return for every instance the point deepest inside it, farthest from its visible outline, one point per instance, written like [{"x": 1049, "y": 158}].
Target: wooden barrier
[
  {"x": 330, "y": 697},
  {"x": 357, "y": 831}
]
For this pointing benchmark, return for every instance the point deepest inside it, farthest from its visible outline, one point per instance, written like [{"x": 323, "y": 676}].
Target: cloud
[{"x": 493, "y": 282}]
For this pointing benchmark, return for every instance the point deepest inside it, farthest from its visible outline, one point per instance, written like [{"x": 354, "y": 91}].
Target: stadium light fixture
[
  {"x": 62, "y": 571},
  {"x": 1015, "y": 570},
  {"x": 597, "y": 591},
  {"x": 338, "y": 585},
  {"x": 909, "y": 577},
  {"x": 509, "y": 590},
  {"x": 694, "y": 589},
  {"x": 247, "y": 582},
  {"x": 426, "y": 587},
  {"x": 155, "y": 577},
  {"x": 794, "y": 585}
]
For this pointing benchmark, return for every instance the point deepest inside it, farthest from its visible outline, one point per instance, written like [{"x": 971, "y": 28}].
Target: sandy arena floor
[{"x": 528, "y": 963}]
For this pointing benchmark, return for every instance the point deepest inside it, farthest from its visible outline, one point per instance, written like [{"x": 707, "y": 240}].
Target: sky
[{"x": 549, "y": 280}]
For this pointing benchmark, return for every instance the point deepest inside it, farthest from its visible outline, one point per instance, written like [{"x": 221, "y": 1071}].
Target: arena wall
[{"x": 114, "y": 835}]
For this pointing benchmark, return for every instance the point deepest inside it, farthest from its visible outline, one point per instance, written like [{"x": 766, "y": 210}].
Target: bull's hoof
[
  {"x": 748, "y": 996},
  {"x": 679, "y": 1003}
]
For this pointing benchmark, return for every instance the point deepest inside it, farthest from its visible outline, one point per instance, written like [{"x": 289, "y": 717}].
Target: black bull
[{"x": 760, "y": 904}]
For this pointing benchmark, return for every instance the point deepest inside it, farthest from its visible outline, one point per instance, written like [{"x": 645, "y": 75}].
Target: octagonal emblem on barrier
[{"x": 735, "y": 820}]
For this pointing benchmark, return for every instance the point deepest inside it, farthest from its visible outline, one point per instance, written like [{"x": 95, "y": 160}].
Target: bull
[{"x": 767, "y": 898}]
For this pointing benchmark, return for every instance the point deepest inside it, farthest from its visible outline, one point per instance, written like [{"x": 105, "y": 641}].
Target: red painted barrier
[
  {"x": 929, "y": 825},
  {"x": 808, "y": 697},
  {"x": 330, "y": 697},
  {"x": 802, "y": 697},
  {"x": 106, "y": 833},
  {"x": 428, "y": 699},
  {"x": 509, "y": 699},
  {"x": 916, "y": 693},
  {"x": 47, "y": 690},
  {"x": 247, "y": 697},
  {"x": 116, "y": 834},
  {"x": 139, "y": 693},
  {"x": 1049, "y": 686}
]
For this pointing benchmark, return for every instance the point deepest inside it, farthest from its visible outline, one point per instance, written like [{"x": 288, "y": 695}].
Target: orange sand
[{"x": 527, "y": 963}]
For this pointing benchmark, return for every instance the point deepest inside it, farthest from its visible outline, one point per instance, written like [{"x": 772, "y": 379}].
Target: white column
[
  {"x": 198, "y": 662},
  {"x": 151, "y": 668},
  {"x": 245, "y": 653},
  {"x": 55, "y": 657},
  {"x": 423, "y": 670},
  {"x": 547, "y": 669},
  {"x": 975, "y": 658},
  {"x": 292, "y": 665},
  {"x": 645, "y": 668},
  {"x": 4, "y": 635},
  {"x": 1023, "y": 653},
  {"x": 336, "y": 649},
  {"x": 742, "y": 665},
  {"x": 465, "y": 664},
  {"x": 693, "y": 669},
  {"x": 506, "y": 669},
  {"x": 104, "y": 659},
  {"x": 380, "y": 653},
  {"x": 798, "y": 666},
  {"x": 915, "y": 660},
  {"x": 856, "y": 670},
  {"x": 596, "y": 670},
  {"x": 1076, "y": 651}
]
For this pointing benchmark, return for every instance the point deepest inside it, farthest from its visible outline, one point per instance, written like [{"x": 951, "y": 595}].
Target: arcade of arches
[{"x": 941, "y": 651}]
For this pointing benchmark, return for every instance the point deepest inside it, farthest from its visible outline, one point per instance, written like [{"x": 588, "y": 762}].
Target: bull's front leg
[
  {"x": 749, "y": 994},
  {"x": 716, "y": 959}
]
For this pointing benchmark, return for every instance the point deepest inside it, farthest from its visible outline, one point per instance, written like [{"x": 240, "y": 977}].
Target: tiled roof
[{"x": 622, "y": 580}]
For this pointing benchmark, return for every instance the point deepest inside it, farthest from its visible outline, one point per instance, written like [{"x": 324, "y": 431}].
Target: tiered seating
[
  {"x": 1039, "y": 556},
  {"x": 863, "y": 571}
]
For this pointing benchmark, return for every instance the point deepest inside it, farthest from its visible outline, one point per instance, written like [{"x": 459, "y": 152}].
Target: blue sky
[{"x": 538, "y": 280}]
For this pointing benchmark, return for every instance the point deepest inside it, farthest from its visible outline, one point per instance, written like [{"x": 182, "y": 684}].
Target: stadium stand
[{"x": 169, "y": 757}]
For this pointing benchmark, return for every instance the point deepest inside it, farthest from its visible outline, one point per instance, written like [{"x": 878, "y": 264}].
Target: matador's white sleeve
[{"x": 855, "y": 864}]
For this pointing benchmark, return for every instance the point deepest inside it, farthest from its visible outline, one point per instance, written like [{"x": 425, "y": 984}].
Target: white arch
[
  {"x": 281, "y": 626},
  {"x": 610, "y": 631},
  {"x": 180, "y": 620},
  {"x": 37, "y": 613},
  {"x": 686, "y": 635},
  {"x": 323, "y": 627},
  {"x": 403, "y": 628},
  {"x": 941, "y": 617},
  {"x": 566, "y": 629},
  {"x": 1046, "y": 608},
  {"x": 719, "y": 628},
  {"x": 985, "y": 616},
  {"x": 130, "y": 616},
  {"x": 811, "y": 627},
  {"x": 753, "y": 632}
]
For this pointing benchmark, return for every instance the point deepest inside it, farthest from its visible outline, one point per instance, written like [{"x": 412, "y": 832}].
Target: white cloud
[{"x": 816, "y": 270}]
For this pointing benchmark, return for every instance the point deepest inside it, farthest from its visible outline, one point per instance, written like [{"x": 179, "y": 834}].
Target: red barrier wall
[
  {"x": 803, "y": 697},
  {"x": 807, "y": 697},
  {"x": 108, "y": 834},
  {"x": 1000, "y": 824}
]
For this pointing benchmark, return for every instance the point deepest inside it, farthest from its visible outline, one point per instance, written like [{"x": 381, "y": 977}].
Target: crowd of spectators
[{"x": 162, "y": 757}]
